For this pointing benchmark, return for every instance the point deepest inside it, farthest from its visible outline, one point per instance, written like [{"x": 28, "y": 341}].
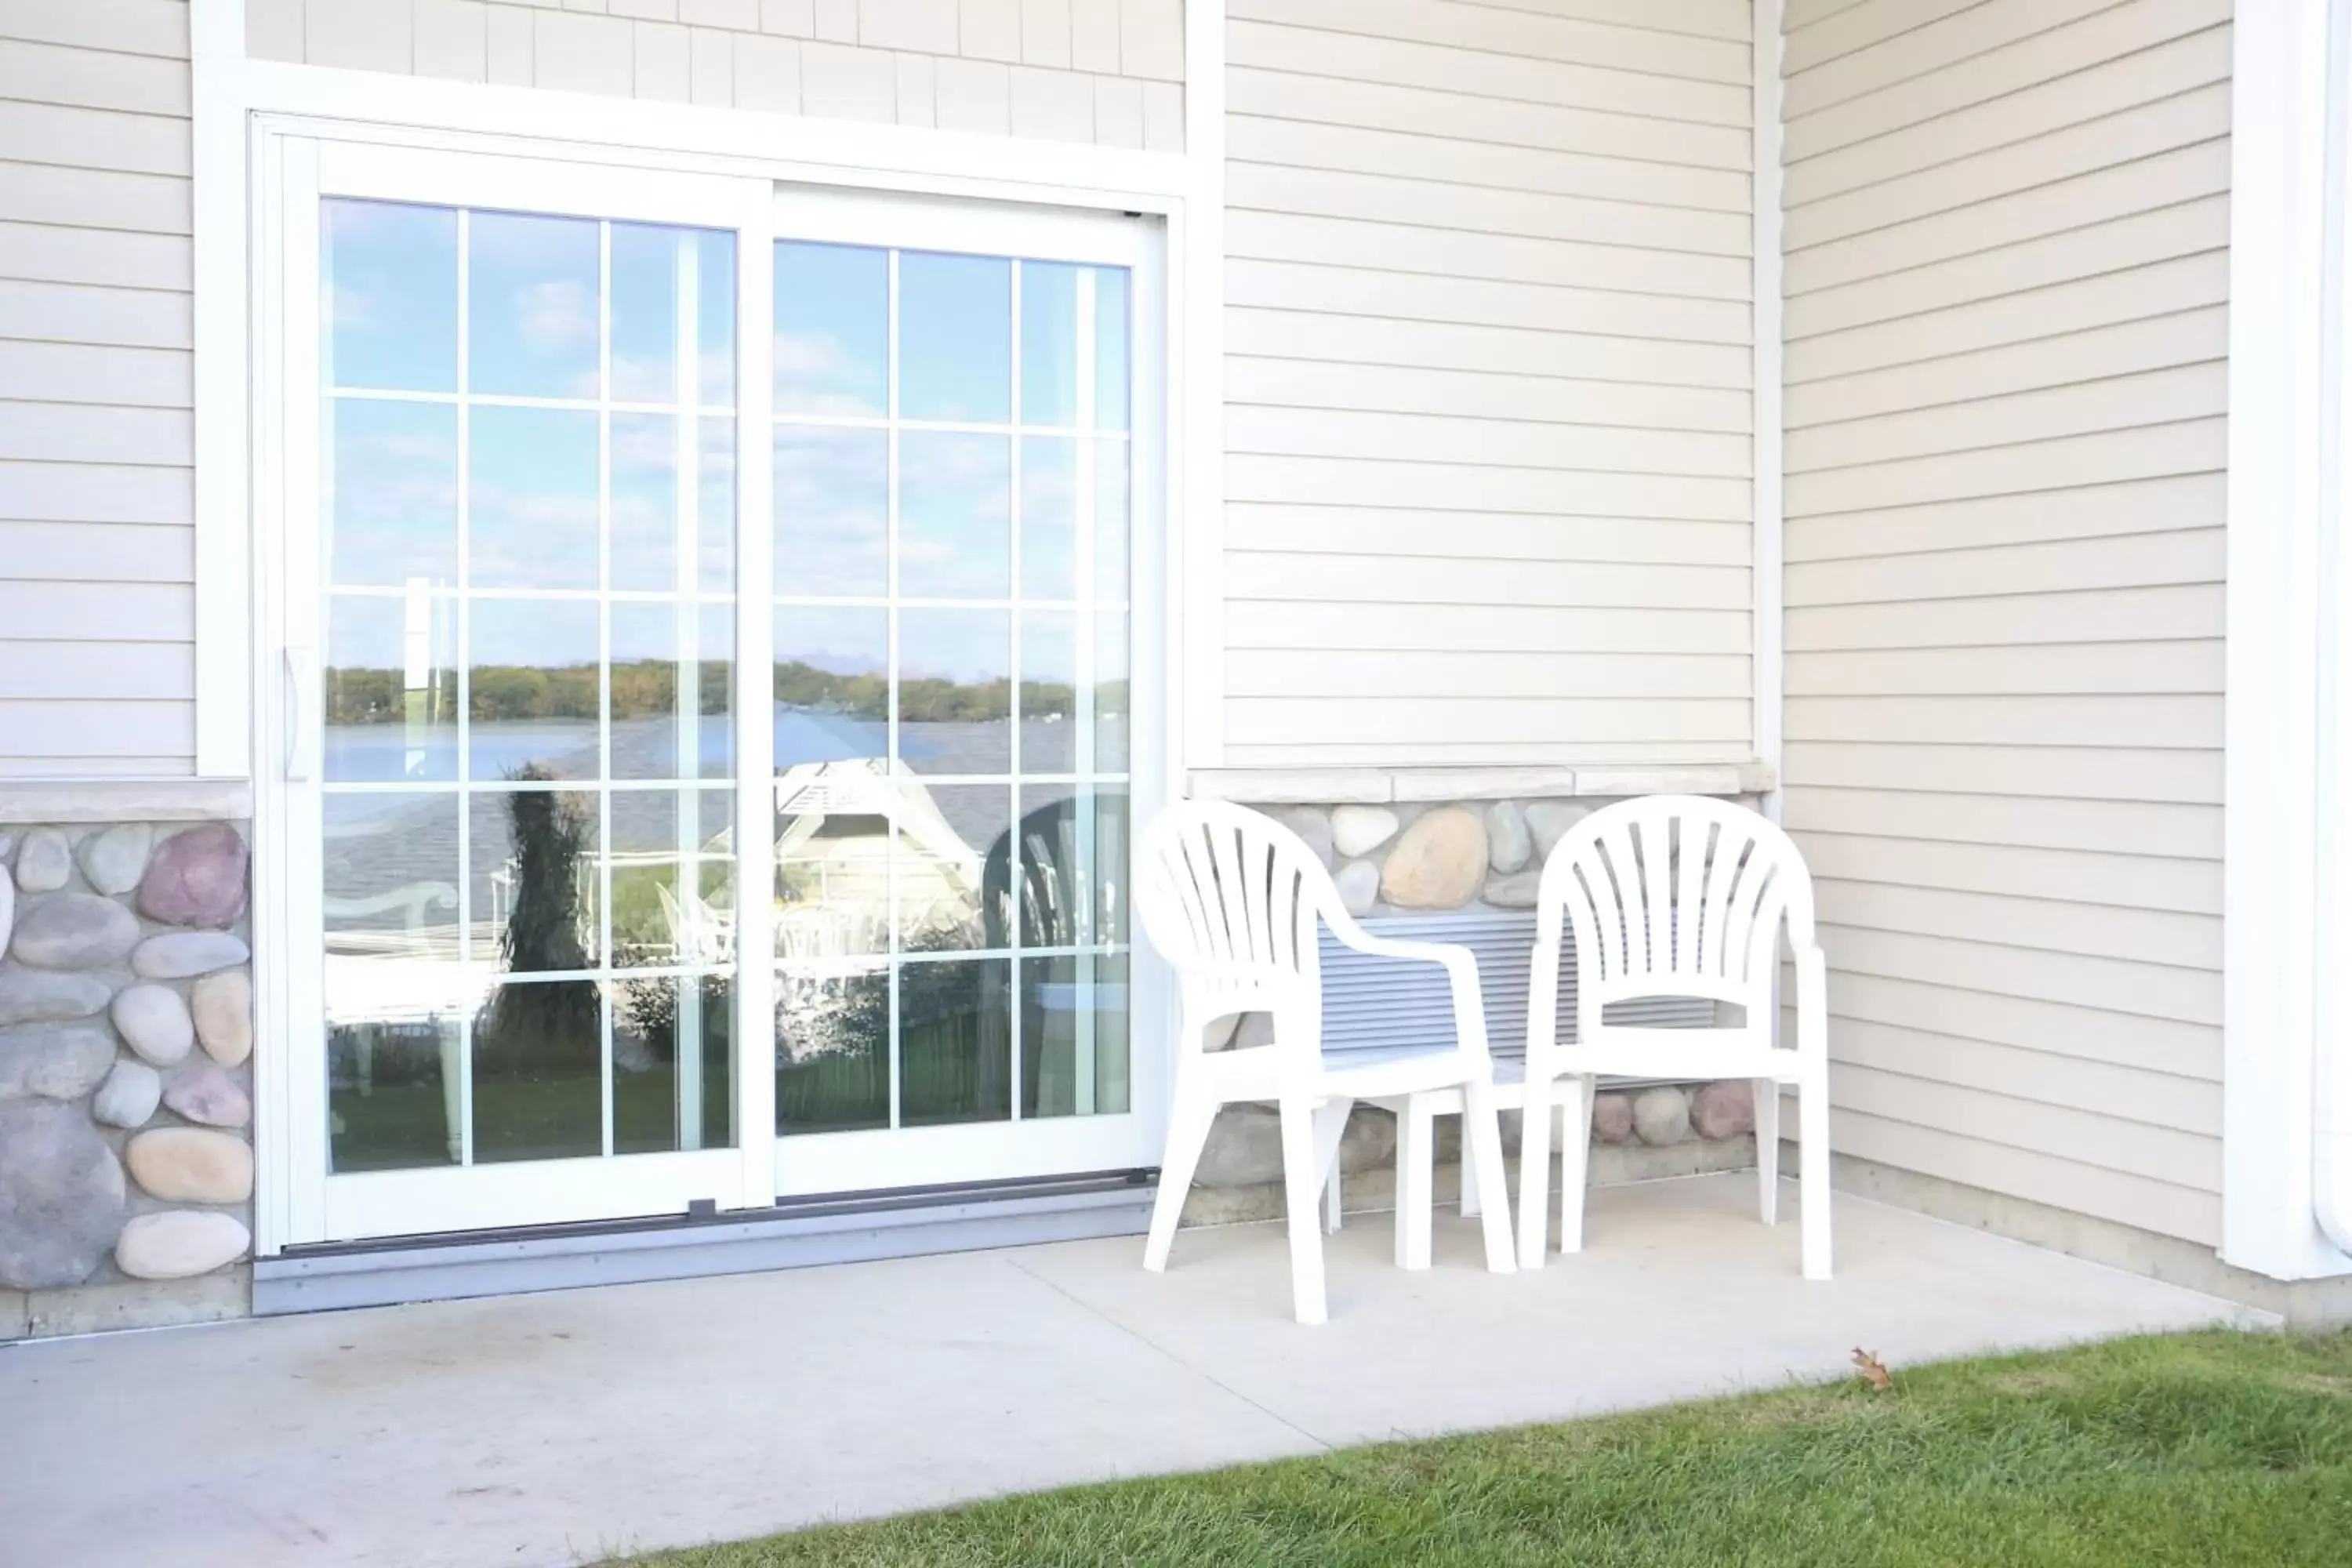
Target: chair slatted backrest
[{"x": 1671, "y": 896}]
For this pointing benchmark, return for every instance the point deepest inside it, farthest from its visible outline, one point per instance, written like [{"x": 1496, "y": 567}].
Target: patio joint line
[{"x": 1325, "y": 1445}]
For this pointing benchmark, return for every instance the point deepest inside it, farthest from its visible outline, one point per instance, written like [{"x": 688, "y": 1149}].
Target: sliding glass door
[{"x": 709, "y": 700}]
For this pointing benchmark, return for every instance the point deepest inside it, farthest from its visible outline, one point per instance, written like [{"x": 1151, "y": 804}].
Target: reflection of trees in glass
[{"x": 535, "y": 1028}]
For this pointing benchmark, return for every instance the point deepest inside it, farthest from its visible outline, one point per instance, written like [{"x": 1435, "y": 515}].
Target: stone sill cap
[
  {"x": 29, "y": 801},
  {"x": 1379, "y": 786}
]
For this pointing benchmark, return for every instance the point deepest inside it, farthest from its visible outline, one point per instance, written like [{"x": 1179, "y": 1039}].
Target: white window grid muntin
[
  {"x": 686, "y": 595},
  {"x": 1086, "y": 607}
]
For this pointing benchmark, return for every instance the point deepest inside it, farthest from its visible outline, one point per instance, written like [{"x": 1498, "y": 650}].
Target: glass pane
[
  {"x": 833, "y": 512},
  {"x": 652, "y": 267},
  {"x": 833, "y": 866},
  {"x": 657, "y": 649},
  {"x": 645, "y": 515},
  {"x": 535, "y": 697},
  {"x": 715, "y": 528},
  {"x": 955, "y": 690},
  {"x": 833, "y": 330},
  {"x": 396, "y": 996},
  {"x": 389, "y": 292},
  {"x": 1072, "y": 865},
  {"x": 955, "y": 338},
  {"x": 955, "y": 1041},
  {"x": 1112, "y": 513},
  {"x": 391, "y": 682},
  {"x": 532, "y": 306},
  {"x": 1049, "y": 517},
  {"x": 649, "y": 920},
  {"x": 1073, "y": 1042},
  {"x": 532, "y": 498},
  {"x": 955, "y": 512},
  {"x": 1112, "y": 690},
  {"x": 954, "y": 866},
  {"x": 1073, "y": 318},
  {"x": 833, "y": 1050},
  {"x": 390, "y": 493},
  {"x": 532, "y": 873},
  {"x": 539, "y": 1075},
  {"x": 1049, "y": 706},
  {"x": 833, "y": 686},
  {"x": 667, "y": 1095}
]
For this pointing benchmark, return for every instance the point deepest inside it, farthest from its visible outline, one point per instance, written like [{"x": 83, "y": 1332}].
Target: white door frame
[{"x": 290, "y": 1205}]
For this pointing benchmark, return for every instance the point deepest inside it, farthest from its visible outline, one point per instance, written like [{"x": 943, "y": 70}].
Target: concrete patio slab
[{"x": 566, "y": 1427}]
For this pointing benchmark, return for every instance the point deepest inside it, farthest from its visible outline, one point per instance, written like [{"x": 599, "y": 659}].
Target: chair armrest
[{"x": 1461, "y": 966}]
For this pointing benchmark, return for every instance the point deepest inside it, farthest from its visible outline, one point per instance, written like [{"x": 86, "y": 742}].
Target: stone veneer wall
[
  {"x": 126, "y": 1030},
  {"x": 1423, "y": 857}
]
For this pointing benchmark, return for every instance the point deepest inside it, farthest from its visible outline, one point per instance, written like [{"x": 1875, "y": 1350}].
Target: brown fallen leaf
[{"x": 1874, "y": 1370}]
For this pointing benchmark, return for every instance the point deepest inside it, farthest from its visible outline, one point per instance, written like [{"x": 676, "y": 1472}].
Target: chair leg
[
  {"x": 1330, "y": 1126},
  {"x": 1415, "y": 1179},
  {"x": 1767, "y": 1093},
  {"x": 1481, "y": 1162},
  {"x": 1535, "y": 1171},
  {"x": 1470, "y": 1194},
  {"x": 1302, "y": 1184},
  {"x": 1814, "y": 1173},
  {"x": 1575, "y": 1161},
  {"x": 1188, "y": 1135}
]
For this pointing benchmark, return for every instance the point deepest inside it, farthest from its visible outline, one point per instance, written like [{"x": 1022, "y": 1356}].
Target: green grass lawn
[{"x": 2215, "y": 1447}]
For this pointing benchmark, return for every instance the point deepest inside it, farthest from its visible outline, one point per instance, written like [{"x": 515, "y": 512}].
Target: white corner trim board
[
  {"x": 1767, "y": 641},
  {"x": 2286, "y": 892}
]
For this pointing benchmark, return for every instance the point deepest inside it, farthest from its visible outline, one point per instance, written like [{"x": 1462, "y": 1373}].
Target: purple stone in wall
[{"x": 197, "y": 878}]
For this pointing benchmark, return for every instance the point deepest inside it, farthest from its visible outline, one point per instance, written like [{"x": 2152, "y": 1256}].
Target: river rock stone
[
  {"x": 44, "y": 862},
  {"x": 1515, "y": 891},
  {"x": 113, "y": 861},
  {"x": 209, "y": 1097},
  {"x": 1613, "y": 1118},
  {"x": 197, "y": 878},
  {"x": 1724, "y": 1108},
  {"x": 129, "y": 1096},
  {"x": 1359, "y": 887},
  {"x": 36, "y": 996},
  {"x": 8, "y": 907},
  {"x": 154, "y": 1022},
  {"x": 1311, "y": 825},
  {"x": 74, "y": 930},
  {"x": 1550, "y": 820},
  {"x": 192, "y": 1165},
  {"x": 1360, "y": 829},
  {"x": 176, "y": 955},
  {"x": 1662, "y": 1115},
  {"x": 179, "y": 1244},
  {"x": 1438, "y": 863},
  {"x": 54, "y": 1061},
  {"x": 1509, "y": 845},
  {"x": 223, "y": 1005},
  {"x": 61, "y": 1195}
]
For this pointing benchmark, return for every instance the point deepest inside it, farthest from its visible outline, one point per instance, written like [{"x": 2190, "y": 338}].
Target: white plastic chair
[
  {"x": 1230, "y": 899},
  {"x": 1675, "y": 896}
]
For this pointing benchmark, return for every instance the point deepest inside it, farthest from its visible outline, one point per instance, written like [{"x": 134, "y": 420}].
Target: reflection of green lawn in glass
[{"x": 404, "y": 1126}]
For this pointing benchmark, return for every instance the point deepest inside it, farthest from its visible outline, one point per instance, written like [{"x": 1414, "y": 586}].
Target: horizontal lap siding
[
  {"x": 97, "y": 486},
  {"x": 2006, "y": 269},
  {"x": 1488, "y": 422}
]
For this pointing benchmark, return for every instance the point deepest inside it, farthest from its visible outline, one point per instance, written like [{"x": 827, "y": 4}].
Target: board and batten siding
[
  {"x": 97, "y": 479},
  {"x": 1488, "y": 366},
  {"x": 2006, "y": 249}
]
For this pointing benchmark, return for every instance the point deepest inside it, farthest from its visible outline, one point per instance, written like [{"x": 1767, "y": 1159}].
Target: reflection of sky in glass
[
  {"x": 1049, "y": 344},
  {"x": 833, "y": 328},
  {"x": 716, "y": 525},
  {"x": 375, "y": 645},
  {"x": 833, "y": 502},
  {"x": 972, "y": 647},
  {"x": 389, "y": 274},
  {"x": 393, "y": 508},
  {"x": 645, "y": 501},
  {"x": 955, "y": 503},
  {"x": 955, "y": 337},
  {"x": 513, "y": 643},
  {"x": 532, "y": 306},
  {"x": 1049, "y": 517},
  {"x": 647, "y": 262},
  {"x": 533, "y": 497}
]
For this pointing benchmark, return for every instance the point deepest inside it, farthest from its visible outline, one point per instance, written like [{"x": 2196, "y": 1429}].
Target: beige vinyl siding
[
  {"x": 97, "y": 486},
  {"x": 1105, "y": 71},
  {"x": 1488, "y": 424},
  {"x": 2006, "y": 230}
]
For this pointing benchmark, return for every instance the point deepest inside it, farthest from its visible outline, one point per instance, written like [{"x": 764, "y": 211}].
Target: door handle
[{"x": 302, "y": 682}]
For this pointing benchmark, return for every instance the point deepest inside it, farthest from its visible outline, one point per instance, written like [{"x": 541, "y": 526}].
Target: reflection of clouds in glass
[
  {"x": 955, "y": 337},
  {"x": 832, "y": 332},
  {"x": 555, "y": 315},
  {"x": 826, "y": 379},
  {"x": 965, "y": 646},
  {"x": 955, "y": 505},
  {"x": 391, "y": 514},
  {"x": 532, "y": 318},
  {"x": 645, "y": 501},
  {"x": 532, "y": 493},
  {"x": 832, "y": 512},
  {"x": 389, "y": 278}
]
